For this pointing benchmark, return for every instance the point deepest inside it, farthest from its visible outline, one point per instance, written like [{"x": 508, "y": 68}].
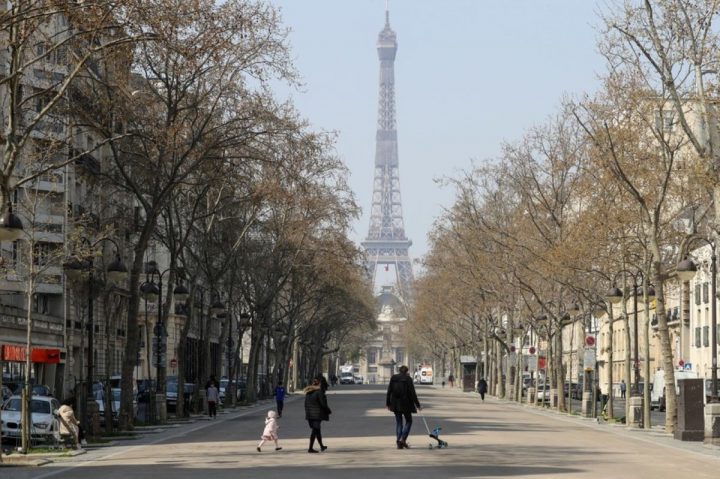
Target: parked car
[
  {"x": 44, "y": 423},
  {"x": 145, "y": 387},
  {"x": 359, "y": 379},
  {"x": 543, "y": 392},
  {"x": 6, "y": 393},
  {"x": 115, "y": 392},
  {"x": 36, "y": 390},
  {"x": 172, "y": 394},
  {"x": 573, "y": 390},
  {"x": 239, "y": 391}
]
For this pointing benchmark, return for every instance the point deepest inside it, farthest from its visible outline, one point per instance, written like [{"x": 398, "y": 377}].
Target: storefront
[{"x": 46, "y": 366}]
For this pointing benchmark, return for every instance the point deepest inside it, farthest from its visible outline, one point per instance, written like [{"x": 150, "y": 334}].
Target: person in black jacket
[
  {"x": 316, "y": 411},
  {"x": 402, "y": 400}
]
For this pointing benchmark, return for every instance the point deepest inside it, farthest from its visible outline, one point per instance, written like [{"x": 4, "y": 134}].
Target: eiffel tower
[{"x": 386, "y": 243}]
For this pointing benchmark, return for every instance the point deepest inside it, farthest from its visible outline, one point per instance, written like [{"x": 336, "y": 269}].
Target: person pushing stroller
[{"x": 402, "y": 400}]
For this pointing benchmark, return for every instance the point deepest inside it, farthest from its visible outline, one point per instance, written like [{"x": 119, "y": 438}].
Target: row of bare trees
[
  {"x": 596, "y": 194},
  {"x": 165, "y": 111}
]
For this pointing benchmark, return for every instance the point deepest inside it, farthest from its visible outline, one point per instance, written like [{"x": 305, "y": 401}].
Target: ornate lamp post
[
  {"x": 615, "y": 296},
  {"x": 152, "y": 292},
  {"x": 686, "y": 270},
  {"x": 116, "y": 272}
]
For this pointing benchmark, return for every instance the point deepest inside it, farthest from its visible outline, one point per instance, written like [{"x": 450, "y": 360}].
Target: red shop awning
[{"x": 16, "y": 353}]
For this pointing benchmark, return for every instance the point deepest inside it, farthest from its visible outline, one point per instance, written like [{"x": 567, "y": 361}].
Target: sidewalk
[
  {"x": 656, "y": 435},
  {"x": 136, "y": 436}
]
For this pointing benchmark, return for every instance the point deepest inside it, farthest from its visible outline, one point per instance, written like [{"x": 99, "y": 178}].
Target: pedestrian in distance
[
  {"x": 443, "y": 383},
  {"x": 316, "y": 411},
  {"x": 451, "y": 380},
  {"x": 482, "y": 388},
  {"x": 623, "y": 388},
  {"x": 280, "y": 398},
  {"x": 213, "y": 395},
  {"x": 402, "y": 400},
  {"x": 270, "y": 433},
  {"x": 69, "y": 423}
]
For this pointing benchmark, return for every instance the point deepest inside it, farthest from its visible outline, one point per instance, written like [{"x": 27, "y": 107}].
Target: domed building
[{"x": 387, "y": 350}]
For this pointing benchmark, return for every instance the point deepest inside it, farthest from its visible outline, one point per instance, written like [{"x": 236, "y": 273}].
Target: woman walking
[
  {"x": 402, "y": 400},
  {"x": 482, "y": 388},
  {"x": 316, "y": 411}
]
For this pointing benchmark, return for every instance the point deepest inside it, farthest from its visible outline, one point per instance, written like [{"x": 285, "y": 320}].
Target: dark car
[
  {"x": 145, "y": 387},
  {"x": 172, "y": 394}
]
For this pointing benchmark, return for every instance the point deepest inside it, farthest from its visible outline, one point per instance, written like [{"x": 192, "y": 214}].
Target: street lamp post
[
  {"x": 686, "y": 270},
  {"x": 116, "y": 272},
  {"x": 540, "y": 321},
  {"x": 615, "y": 296},
  {"x": 152, "y": 292}
]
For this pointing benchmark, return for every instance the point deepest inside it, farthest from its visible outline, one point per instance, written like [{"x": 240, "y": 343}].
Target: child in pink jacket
[{"x": 270, "y": 433}]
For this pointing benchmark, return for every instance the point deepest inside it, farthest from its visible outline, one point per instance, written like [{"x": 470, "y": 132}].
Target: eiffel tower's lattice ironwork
[{"x": 386, "y": 243}]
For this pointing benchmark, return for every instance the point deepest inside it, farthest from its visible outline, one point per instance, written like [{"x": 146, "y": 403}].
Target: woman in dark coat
[
  {"x": 482, "y": 388},
  {"x": 316, "y": 411},
  {"x": 402, "y": 400}
]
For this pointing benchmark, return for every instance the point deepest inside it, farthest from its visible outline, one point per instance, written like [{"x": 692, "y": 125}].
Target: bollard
[
  {"x": 587, "y": 404},
  {"x": 161, "y": 408},
  {"x": 635, "y": 412},
  {"x": 712, "y": 424},
  {"x": 203, "y": 401}
]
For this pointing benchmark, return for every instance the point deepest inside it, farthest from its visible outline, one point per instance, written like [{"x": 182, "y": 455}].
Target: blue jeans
[{"x": 402, "y": 431}]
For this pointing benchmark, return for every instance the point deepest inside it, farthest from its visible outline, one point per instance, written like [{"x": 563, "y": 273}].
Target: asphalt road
[{"x": 491, "y": 439}]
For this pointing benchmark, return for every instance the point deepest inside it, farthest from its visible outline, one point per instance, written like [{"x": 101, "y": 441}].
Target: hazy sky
[{"x": 469, "y": 74}]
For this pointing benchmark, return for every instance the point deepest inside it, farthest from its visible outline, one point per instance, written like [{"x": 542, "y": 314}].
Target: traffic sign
[
  {"x": 589, "y": 359},
  {"x": 590, "y": 341},
  {"x": 531, "y": 350},
  {"x": 532, "y": 363}
]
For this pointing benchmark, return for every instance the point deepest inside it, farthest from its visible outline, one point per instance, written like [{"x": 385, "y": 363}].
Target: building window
[
  {"x": 706, "y": 293},
  {"x": 706, "y": 336},
  {"x": 43, "y": 252},
  {"x": 371, "y": 356},
  {"x": 41, "y": 304},
  {"x": 697, "y": 337},
  {"x": 399, "y": 356}
]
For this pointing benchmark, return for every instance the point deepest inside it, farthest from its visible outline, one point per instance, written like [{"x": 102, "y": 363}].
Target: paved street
[{"x": 490, "y": 439}]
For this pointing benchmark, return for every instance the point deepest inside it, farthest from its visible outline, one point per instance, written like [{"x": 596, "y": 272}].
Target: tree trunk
[
  {"x": 664, "y": 333},
  {"x": 627, "y": 364},
  {"x": 611, "y": 374},
  {"x": 26, "y": 394},
  {"x": 132, "y": 343}
]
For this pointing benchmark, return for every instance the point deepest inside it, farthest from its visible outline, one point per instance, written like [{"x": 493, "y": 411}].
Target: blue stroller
[{"x": 435, "y": 434}]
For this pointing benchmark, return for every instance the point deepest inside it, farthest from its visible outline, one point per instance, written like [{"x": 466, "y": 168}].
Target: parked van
[
  {"x": 657, "y": 394},
  {"x": 426, "y": 375}
]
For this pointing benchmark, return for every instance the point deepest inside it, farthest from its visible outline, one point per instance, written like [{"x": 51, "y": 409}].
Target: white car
[
  {"x": 359, "y": 379},
  {"x": 44, "y": 423},
  {"x": 115, "y": 392}
]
